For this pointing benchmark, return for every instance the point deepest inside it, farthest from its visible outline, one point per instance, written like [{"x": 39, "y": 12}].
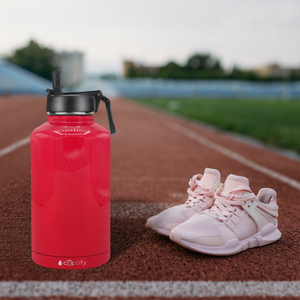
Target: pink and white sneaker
[
  {"x": 201, "y": 192},
  {"x": 238, "y": 220}
]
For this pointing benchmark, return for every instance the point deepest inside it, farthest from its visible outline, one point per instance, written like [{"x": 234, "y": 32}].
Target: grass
[{"x": 276, "y": 123}]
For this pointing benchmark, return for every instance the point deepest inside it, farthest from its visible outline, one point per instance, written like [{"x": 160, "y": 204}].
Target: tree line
[
  {"x": 41, "y": 61},
  {"x": 203, "y": 66}
]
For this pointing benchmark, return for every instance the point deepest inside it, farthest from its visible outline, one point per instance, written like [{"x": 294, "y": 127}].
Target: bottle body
[{"x": 70, "y": 186}]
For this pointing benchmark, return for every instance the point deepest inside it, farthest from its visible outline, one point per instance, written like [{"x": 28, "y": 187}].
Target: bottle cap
[{"x": 75, "y": 103}]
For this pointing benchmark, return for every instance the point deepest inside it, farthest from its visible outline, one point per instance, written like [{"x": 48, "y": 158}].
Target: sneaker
[
  {"x": 200, "y": 197},
  {"x": 238, "y": 220}
]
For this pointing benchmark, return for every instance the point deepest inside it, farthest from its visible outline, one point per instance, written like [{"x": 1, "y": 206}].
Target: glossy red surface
[{"x": 70, "y": 192}]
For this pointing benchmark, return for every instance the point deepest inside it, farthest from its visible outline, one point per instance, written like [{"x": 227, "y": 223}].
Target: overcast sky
[{"x": 248, "y": 33}]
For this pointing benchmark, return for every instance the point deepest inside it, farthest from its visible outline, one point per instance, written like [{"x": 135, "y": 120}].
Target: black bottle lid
[{"x": 75, "y": 103}]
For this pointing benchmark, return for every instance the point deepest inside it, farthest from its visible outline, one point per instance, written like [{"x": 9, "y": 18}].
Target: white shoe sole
[
  {"x": 267, "y": 235},
  {"x": 150, "y": 224}
]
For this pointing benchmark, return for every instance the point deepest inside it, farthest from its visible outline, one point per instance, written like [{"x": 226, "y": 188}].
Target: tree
[
  {"x": 170, "y": 71},
  {"x": 198, "y": 66},
  {"x": 203, "y": 62},
  {"x": 35, "y": 58}
]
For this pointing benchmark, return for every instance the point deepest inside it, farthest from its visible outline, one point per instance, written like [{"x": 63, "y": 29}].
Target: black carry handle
[{"x": 109, "y": 114}]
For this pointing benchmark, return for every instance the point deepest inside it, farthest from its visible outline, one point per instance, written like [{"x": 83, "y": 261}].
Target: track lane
[
  {"x": 19, "y": 115},
  {"x": 143, "y": 152}
]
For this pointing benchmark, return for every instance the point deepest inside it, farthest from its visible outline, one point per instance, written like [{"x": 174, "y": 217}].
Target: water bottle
[{"x": 70, "y": 182}]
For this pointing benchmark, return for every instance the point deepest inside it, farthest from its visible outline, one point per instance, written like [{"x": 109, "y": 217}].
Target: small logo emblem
[{"x": 71, "y": 263}]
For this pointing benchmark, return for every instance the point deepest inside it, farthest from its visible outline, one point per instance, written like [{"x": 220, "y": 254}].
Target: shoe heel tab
[{"x": 267, "y": 196}]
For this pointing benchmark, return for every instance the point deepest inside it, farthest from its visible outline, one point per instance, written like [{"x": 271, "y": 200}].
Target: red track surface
[{"x": 150, "y": 163}]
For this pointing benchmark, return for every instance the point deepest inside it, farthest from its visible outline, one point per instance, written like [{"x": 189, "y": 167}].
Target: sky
[{"x": 248, "y": 33}]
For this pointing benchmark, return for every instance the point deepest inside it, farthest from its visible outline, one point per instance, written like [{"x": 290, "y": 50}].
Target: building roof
[{"x": 15, "y": 80}]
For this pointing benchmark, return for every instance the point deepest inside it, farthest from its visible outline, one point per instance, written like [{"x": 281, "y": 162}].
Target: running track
[{"x": 153, "y": 157}]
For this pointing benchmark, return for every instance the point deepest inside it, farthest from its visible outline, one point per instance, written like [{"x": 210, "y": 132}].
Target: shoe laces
[
  {"x": 228, "y": 204},
  {"x": 195, "y": 198}
]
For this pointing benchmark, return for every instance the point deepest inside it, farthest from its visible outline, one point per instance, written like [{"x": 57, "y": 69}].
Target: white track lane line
[
  {"x": 14, "y": 146},
  {"x": 182, "y": 289},
  {"x": 234, "y": 155}
]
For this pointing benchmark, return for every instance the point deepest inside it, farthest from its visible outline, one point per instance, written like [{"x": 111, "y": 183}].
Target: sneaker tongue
[
  {"x": 234, "y": 181},
  {"x": 209, "y": 178}
]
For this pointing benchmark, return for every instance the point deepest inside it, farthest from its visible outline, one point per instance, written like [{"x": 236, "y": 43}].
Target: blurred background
[{"x": 205, "y": 59}]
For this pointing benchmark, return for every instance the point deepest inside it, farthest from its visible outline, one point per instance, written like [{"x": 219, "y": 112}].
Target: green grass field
[{"x": 276, "y": 123}]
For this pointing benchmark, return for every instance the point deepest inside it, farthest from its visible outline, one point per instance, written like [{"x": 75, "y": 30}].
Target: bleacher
[{"x": 15, "y": 80}]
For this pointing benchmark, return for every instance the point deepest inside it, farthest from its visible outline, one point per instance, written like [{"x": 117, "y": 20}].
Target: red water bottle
[{"x": 70, "y": 182}]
